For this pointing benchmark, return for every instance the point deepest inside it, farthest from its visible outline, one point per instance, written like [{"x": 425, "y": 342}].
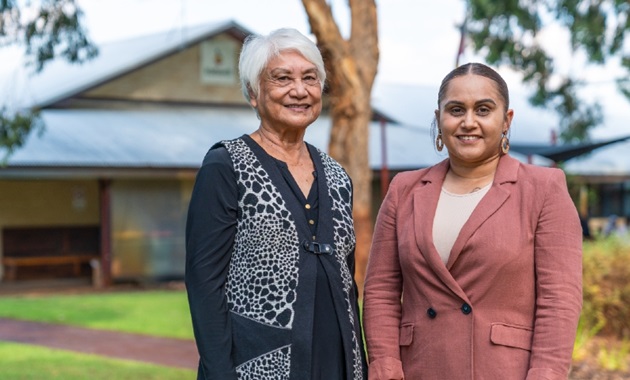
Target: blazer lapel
[
  {"x": 497, "y": 195},
  {"x": 425, "y": 198}
]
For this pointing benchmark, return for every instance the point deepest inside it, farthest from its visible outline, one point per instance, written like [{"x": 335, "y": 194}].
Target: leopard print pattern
[
  {"x": 262, "y": 281},
  {"x": 339, "y": 190},
  {"x": 270, "y": 366}
]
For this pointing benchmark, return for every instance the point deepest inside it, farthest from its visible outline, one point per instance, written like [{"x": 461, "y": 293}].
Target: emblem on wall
[{"x": 218, "y": 62}]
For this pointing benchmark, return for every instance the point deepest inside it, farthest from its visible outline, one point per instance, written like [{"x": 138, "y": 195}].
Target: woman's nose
[
  {"x": 469, "y": 119},
  {"x": 299, "y": 89}
]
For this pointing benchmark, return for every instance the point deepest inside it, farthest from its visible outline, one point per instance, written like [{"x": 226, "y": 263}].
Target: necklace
[
  {"x": 277, "y": 148},
  {"x": 458, "y": 184}
]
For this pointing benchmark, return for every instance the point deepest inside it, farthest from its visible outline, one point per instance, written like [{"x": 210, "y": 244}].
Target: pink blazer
[{"x": 507, "y": 303}]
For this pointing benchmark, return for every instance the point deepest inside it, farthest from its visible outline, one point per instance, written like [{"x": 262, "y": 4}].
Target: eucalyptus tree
[{"x": 351, "y": 64}]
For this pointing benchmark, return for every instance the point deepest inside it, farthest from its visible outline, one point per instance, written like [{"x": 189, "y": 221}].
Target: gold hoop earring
[
  {"x": 505, "y": 144},
  {"x": 439, "y": 144}
]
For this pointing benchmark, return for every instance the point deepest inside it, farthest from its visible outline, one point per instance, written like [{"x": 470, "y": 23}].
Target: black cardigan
[{"x": 311, "y": 329}]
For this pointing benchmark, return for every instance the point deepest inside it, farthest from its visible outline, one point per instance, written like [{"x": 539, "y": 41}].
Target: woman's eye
[
  {"x": 310, "y": 80},
  {"x": 456, "y": 111},
  {"x": 483, "y": 110}
]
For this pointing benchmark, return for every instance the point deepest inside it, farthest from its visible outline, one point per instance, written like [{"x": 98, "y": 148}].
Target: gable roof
[{"x": 116, "y": 59}]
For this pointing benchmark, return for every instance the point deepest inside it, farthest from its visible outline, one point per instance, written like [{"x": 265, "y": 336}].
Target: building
[{"x": 111, "y": 174}]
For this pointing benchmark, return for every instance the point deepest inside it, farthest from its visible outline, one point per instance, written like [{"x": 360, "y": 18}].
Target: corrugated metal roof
[
  {"x": 178, "y": 137},
  {"x": 146, "y": 137}
]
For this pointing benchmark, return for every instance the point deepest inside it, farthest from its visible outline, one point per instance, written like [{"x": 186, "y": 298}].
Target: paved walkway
[{"x": 162, "y": 351}]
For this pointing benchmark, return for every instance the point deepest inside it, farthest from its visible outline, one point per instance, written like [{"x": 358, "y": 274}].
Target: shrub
[{"x": 606, "y": 287}]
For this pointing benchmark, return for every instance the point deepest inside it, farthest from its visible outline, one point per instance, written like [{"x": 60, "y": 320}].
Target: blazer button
[
  {"x": 466, "y": 309},
  {"x": 431, "y": 313}
]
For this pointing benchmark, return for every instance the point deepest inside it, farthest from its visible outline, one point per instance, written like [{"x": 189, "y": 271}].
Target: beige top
[{"x": 453, "y": 210}]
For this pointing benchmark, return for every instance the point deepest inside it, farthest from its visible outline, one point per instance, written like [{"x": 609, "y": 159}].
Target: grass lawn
[
  {"x": 158, "y": 313},
  {"x": 21, "y": 362}
]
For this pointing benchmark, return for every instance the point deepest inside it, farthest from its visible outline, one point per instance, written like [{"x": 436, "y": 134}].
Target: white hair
[{"x": 258, "y": 50}]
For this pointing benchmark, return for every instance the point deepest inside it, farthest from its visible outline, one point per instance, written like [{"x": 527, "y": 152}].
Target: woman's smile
[{"x": 468, "y": 138}]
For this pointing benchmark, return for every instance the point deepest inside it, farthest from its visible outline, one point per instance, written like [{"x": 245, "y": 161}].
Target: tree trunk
[{"x": 351, "y": 65}]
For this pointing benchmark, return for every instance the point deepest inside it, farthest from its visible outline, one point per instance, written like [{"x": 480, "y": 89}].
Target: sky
[{"x": 418, "y": 39}]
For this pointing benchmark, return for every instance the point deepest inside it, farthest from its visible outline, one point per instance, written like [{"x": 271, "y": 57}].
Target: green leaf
[{"x": 15, "y": 129}]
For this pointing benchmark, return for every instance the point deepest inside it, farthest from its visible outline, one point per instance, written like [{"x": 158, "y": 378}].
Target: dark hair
[{"x": 476, "y": 69}]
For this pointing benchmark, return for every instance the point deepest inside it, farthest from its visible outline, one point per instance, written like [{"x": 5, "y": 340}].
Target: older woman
[
  {"x": 475, "y": 268},
  {"x": 269, "y": 238}
]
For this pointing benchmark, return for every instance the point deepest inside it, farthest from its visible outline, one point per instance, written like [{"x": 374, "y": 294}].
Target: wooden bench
[{"x": 12, "y": 263}]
